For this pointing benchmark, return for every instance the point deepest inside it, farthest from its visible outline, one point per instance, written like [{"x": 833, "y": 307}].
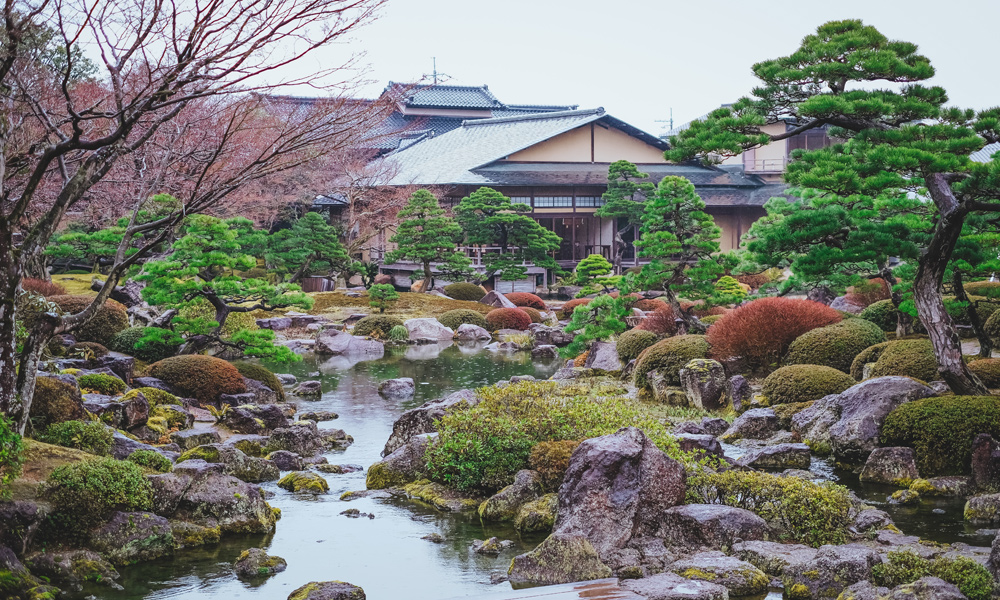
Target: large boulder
[
  {"x": 254, "y": 419},
  {"x": 779, "y": 456},
  {"x": 404, "y": 465},
  {"x": 833, "y": 569},
  {"x": 402, "y": 387},
  {"x": 848, "y": 423},
  {"x": 71, "y": 569},
  {"x": 133, "y": 537},
  {"x": 19, "y": 523},
  {"x": 739, "y": 391},
  {"x": 561, "y": 558},
  {"x": 926, "y": 588},
  {"x": 710, "y": 526},
  {"x": 896, "y": 466},
  {"x": 617, "y": 487},
  {"x": 505, "y": 504},
  {"x": 237, "y": 464},
  {"x": 993, "y": 564},
  {"x": 497, "y": 300},
  {"x": 670, "y": 586},
  {"x": 603, "y": 356},
  {"x": 333, "y": 342},
  {"x": 428, "y": 331},
  {"x": 704, "y": 383},
  {"x": 983, "y": 510},
  {"x": 467, "y": 332},
  {"x": 754, "y": 424},
  {"x": 771, "y": 557},
  {"x": 304, "y": 482},
  {"x": 328, "y": 590},
  {"x": 193, "y": 438},
  {"x": 550, "y": 336},
  {"x": 537, "y": 515},
  {"x": 421, "y": 419},
  {"x": 739, "y": 577},
  {"x": 301, "y": 437},
  {"x": 261, "y": 393},
  {"x": 255, "y": 564},
  {"x": 17, "y": 582}
]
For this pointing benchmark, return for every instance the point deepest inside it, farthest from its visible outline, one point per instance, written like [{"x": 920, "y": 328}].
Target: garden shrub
[
  {"x": 42, "y": 287},
  {"x": 581, "y": 359},
  {"x": 798, "y": 509},
  {"x": 649, "y": 304},
  {"x": 126, "y": 342},
  {"x": 85, "y": 493},
  {"x": 868, "y": 292},
  {"x": 235, "y": 322},
  {"x": 89, "y": 436},
  {"x": 461, "y": 316},
  {"x": 941, "y": 430},
  {"x": 151, "y": 459},
  {"x": 399, "y": 333},
  {"x": 804, "y": 383},
  {"x": 710, "y": 320},
  {"x": 526, "y": 299},
  {"x": 263, "y": 375},
  {"x": 507, "y": 318},
  {"x": 985, "y": 308},
  {"x": 55, "y": 401},
  {"x": 106, "y": 322},
  {"x": 989, "y": 289},
  {"x": 698, "y": 309},
  {"x": 204, "y": 378},
  {"x": 761, "y": 332},
  {"x": 101, "y": 383},
  {"x": 868, "y": 355},
  {"x": 483, "y": 447},
  {"x": 382, "y": 296},
  {"x": 88, "y": 349},
  {"x": 566, "y": 312},
  {"x": 669, "y": 356},
  {"x": 11, "y": 455},
  {"x": 882, "y": 313},
  {"x": 908, "y": 358},
  {"x": 551, "y": 459},
  {"x": 906, "y": 566},
  {"x": 533, "y": 314},
  {"x": 756, "y": 280},
  {"x": 153, "y": 395},
  {"x": 987, "y": 369},
  {"x": 377, "y": 326},
  {"x": 834, "y": 345},
  {"x": 632, "y": 342},
  {"x": 662, "y": 321},
  {"x": 464, "y": 291}
]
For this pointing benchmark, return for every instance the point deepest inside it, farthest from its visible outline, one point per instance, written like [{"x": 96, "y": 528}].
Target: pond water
[{"x": 385, "y": 555}]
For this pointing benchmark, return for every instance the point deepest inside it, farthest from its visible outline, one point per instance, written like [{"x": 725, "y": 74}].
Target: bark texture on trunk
[
  {"x": 428, "y": 280},
  {"x": 9, "y": 282},
  {"x": 691, "y": 323},
  {"x": 978, "y": 327},
  {"x": 904, "y": 322}
]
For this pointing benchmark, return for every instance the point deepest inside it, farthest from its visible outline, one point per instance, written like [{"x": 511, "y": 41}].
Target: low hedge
[
  {"x": 151, "y": 459},
  {"x": 464, "y": 291},
  {"x": 566, "y": 312},
  {"x": 376, "y": 326},
  {"x": 536, "y": 317},
  {"x": 987, "y": 369},
  {"x": 89, "y": 436},
  {"x": 632, "y": 342},
  {"x": 906, "y": 566},
  {"x": 461, "y": 316},
  {"x": 834, "y": 345},
  {"x": 55, "y": 401},
  {"x": 204, "y": 378},
  {"x": 882, "y": 313},
  {"x": 669, "y": 356},
  {"x": 111, "y": 318},
  {"x": 804, "y": 383},
  {"x": 263, "y": 375},
  {"x": 101, "y": 383},
  {"x": 907, "y": 358},
  {"x": 83, "y": 494},
  {"x": 151, "y": 351},
  {"x": 507, "y": 318},
  {"x": 798, "y": 510},
  {"x": 941, "y": 430},
  {"x": 526, "y": 299}
]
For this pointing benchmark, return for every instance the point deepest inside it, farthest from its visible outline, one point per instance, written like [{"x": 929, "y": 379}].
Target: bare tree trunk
[
  {"x": 691, "y": 323},
  {"x": 31, "y": 356},
  {"x": 985, "y": 343},
  {"x": 427, "y": 277},
  {"x": 10, "y": 279},
  {"x": 904, "y": 322}
]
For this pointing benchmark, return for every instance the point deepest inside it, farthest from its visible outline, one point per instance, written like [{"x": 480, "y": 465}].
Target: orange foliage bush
[
  {"x": 648, "y": 304},
  {"x": 507, "y": 318},
  {"x": 198, "y": 376},
  {"x": 869, "y": 292},
  {"x": 526, "y": 299},
  {"x": 566, "y": 311},
  {"x": 661, "y": 322},
  {"x": 42, "y": 287}
]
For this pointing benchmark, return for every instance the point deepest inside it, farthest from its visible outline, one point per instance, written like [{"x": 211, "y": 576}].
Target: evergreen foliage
[
  {"x": 427, "y": 235},
  {"x": 382, "y": 296},
  {"x": 623, "y": 201},
  {"x": 309, "y": 245}
]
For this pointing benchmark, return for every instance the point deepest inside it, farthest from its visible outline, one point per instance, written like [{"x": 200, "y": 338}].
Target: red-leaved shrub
[
  {"x": 868, "y": 292},
  {"x": 566, "y": 311},
  {"x": 662, "y": 321},
  {"x": 648, "y": 304},
  {"x": 507, "y": 318},
  {"x": 754, "y": 280},
  {"x": 42, "y": 287},
  {"x": 526, "y": 299},
  {"x": 697, "y": 309},
  {"x": 761, "y": 331}
]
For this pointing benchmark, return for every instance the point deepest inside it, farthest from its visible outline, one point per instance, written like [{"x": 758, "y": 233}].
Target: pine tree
[
  {"x": 681, "y": 241},
  {"x": 309, "y": 244},
  {"x": 893, "y": 141},
  {"x": 427, "y": 235},
  {"x": 591, "y": 273},
  {"x": 623, "y": 202}
]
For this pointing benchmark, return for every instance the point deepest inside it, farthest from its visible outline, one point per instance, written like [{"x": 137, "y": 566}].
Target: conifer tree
[
  {"x": 623, "y": 202},
  {"x": 427, "y": 235},
  {"x": 893, "y": 140},
  {"x": 309, "y": 244},
  {"x": 591, "y": 273}
]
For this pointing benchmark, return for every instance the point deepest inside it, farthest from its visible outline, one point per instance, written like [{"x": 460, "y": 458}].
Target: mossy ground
[
  {"x": 40, "y": 459},
  {"x": 77, "y": 284}
]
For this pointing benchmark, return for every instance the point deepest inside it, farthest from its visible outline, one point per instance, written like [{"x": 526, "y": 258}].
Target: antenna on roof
[
  {"x": 671, "y": 120},
  {"x": 434, "y": 75}
]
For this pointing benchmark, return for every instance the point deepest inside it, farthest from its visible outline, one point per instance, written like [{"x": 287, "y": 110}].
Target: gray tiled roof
[
  {"x": 449, "y": 96},
  {"x": 985, "y": 153}
]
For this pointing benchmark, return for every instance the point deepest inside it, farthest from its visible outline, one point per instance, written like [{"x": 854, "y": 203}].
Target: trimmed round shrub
[
  {"x": 55, "y": 401},
  {"x": 204, "y": 378},
  {"x": 550, "y": 460},
  {"x": 941, "y": 430},
  {"x": 464, "y": 291},
  {"x": 631, "y": 343},
  {"x": 85, "y": 493},
  {"x": 526, "y": 299},
  {"x": 662, "y": 321},
  {"x": 106, "y": 322},
  {"x": 804, "y": 383},
  {"x": 101, "y": 383},
  {"x": 868, "y": 292},
  {"x": 669, "y": 356},
  {"x": 566, "y": 311},
  {"x": 987, "y": 369},
  {"x": 151, "y": 459},
  {"x": 87, "y": 348},
  {"x": 399, "y": 333},
  {"x": 153, "y": 395},
  {"x": 908, "y": 358},
  {"x": 536, "y": 317},
  {"x": 989, "y": 289},
  {"x": 89, "y": 436},
  {"x": 649, "y": 304},
  {"x": 868, "y": 355},
  {"x": 761, "y": 332},
  {"x": 125, "y": 342},
  {"x": 882, "y": 313},
  {"x": 710, "y": 320},
  {"x": 263, "y": 375},
  {"x": 461, "y": 316},
  {"x": 380, "y": 325},
  {"x": 507, "y": 318},
  {"x": 834, "y": 345}
]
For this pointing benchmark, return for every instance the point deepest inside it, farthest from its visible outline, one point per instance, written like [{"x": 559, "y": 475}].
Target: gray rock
[
  {"x": 603, "y": 356},
  {"x": 771, "y": 557},
  {"x": 302, "y": 437},
  {"x": 421, "y": 419},
  {"x": 739, "y": 392},
  {"x": 402, "y": 466},
  {"x": 311, "y": 388},
  {"x": 497, "y": 300},
  {"x": 693, "y": 442},
  {"x": 328, "y": 590},
  {"x": 993, "y": 563},
  {"x": 332, "y": 342},
  {"x": 236, "y": 462},
  {"x": 780, "y": 456},
  {"x": 286, "y": 379},
  {"x": 154, "y": 383},
  {"x": 704, "y": 383},
  {"x": 926, "y": 588},
  {"x": 19, "y": 523},
  {"x": 741, "y": 578},
  {"x": 550, "y": 336},
  {"x": 402, "y": 387},
  {"x": 833, "y": 569},
  {"x": 254, "y": 419},
  {"x": 670, "y": 586},
  {"x": 566, "y": 373},
  {"x": 864, "y": 590},
  {"x": 193, "y": 438},
  {"x": 261, "y": 393},
  {"x": 545, "y": 351},
  {"x": 467, "y": 332},
  {"x": 870, "y": 519},
  {"x": 122, "y": 445},
  {"x": 754, "y": 424},
  {"x": 428, "y": 331},
  {"x": 505, "y": 504},
  {"x": 617, "y": 486},
  {"x": 560, "y": 558},
  {"x": 714, "y": 425},
  {"x": 841, "y": 303},
  {"x": 983, "y": 510},
  {"x": 711, "y": 526},
  {"x": 71, "y": 569},
  {"x": 517, "y": 378},
  {"x": 896, "y": 465},
  {"x": 491, "y": 547},
  {"x": 200, "y": 493},
  {"x": 255, "y": 564},
  {"x": 133, "y": 537},
  {"x": 319, "y": 416},
  {"x": 300, "y": 346},
  {"x": 275, "y": 323},
  {"x": 285, "y": 460}
]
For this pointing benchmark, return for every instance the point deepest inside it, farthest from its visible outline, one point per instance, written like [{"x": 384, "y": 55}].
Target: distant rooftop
[{"x": 985, "y": 154}]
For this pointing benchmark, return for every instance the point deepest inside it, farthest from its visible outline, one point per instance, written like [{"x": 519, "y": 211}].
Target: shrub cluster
[
  {"x": 89, "y": 436},
  {"x": 633, "y": 342},
  {"x": 42, "y": 287},
  {"x": 566, "y": 312},
  {"x": 649, "y": 304},
  {"x": 551, "y": 459},
  {"x": 106, "y": 322},
  {"x": 483, "y": 447},
  {"x": 710, "y": 320},
  {"x": 798, "y": 509},
  {"x": 377, "y": 326},
  {"x": 153, "y": 395},
  {"x": 662, "y": 321},
  {"x": 235, "y": 322},
  {"x": 54, "y": 401},
  {"x": 987, "y": 369},
  {"x": 526, "y": 299},
  {"x": 907, "y": 358},
  {"x": 88, "y": 349},
  {"x": 906, "y": 566},
  {"x": 204, "y": 378},
  {"x": 460, "y": 316},
  {"x": 533, "y": 314},
  {"x": 263, "y": 375},
  {"x": 507, "y": 318},
  {"x": 399, "y": 333},
  {"x": 761, "y": 332},
  {"x": 101, "y": 383},
  {"x": 834, "y": 345},
  {"x": 151, "y": 459},
  {"x": 127, "y": 342},
  {"x": 669, "y": 356},
  {"x": 464, "y": 291},
  {"x": 804, "y": 383},
  {"x": 882, "y": 313},
  {"x": 11, "y": 455},
  {"x": 868, "y": 292},
  {"x": 84, "y": 493},
  {"x": 941, "y": 430}
]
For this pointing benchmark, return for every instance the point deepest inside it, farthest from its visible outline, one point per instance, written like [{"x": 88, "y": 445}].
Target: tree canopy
[
  {"x": 427, "y": 235},
  {"x": 310, "y": 244},
  {"x": 623, "y": 201}
]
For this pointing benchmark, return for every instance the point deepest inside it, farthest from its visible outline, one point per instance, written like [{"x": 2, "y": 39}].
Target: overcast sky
[{"x": 638, "y": 59}]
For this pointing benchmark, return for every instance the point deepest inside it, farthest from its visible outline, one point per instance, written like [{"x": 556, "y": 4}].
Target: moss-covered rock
[
  {"x": 263, "y": 375},
  {"x": 561, "y": 558},
  {"x": 111, "y": 318},
  {"x": 377, "y": 326},
  {"x": 669, "y": 357},
  {"x": 440, "y": 496},
  {"x": 537, "y": 515},
  {"x": 304, "y": 481},
  {"x": 71, "y": 569},
  {"x": 328, "y": 590},
  {"x": 803, "y": 383},
  {"x": 505, "y": 504},
  {"x": 190, "y": 535},
  {"x": 153, "y": 396},
  {"x": 57, "y": 399},
  {"x": 255, "y": 564},
  {"x": 237, "y": 464},
  {"x": 131, "y": 537},
  {"x": 739, "y": 577},
  {"x": 633, "y": 342},
  {"x": 834, "y": 345},
  {"x": 101, "y": 383},
  {"x": 987, "y": 369}
]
